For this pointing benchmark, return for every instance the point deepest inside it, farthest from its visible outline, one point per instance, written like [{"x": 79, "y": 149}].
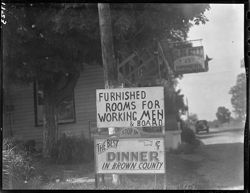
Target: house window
[{"x": 66, "y": 109}]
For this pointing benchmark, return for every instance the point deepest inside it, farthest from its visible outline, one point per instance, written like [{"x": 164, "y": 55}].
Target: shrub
[
  {"x": 188, "y": 136},
  {"x": 17, "y": 164},
  {"x": 189, "y": 141},
  {"x": 72, "y": 150}
]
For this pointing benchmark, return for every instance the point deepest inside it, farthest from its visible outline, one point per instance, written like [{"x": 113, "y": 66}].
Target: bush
[
  {"x": 189, "y": 141},
  {"x": 70, "y": 150},
  {"x": 17, "y": 164},
  {"x": 188, "y": 136}
]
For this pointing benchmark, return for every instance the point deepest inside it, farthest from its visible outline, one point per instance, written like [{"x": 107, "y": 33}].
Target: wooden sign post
[{"x": 108, "y": 56}]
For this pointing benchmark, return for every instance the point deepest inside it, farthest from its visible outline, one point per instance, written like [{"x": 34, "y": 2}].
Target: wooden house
[{"x": 21, "y": 109}]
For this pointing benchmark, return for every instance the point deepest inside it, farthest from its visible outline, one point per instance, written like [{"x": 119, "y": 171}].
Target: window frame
[{"x": 62, "y": 122}]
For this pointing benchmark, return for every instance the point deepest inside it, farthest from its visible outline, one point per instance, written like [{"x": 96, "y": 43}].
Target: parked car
[{"x": 201, "y": 125}]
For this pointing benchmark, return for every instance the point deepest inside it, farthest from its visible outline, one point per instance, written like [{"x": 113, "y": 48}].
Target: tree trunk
[
  {"x": 53, "y": 96},
  {"x": 108, "y": 54},
  {"x": 50, "y": 131}
]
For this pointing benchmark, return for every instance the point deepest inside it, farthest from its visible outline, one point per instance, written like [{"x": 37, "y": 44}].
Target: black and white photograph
[{"x": 124, "y": 96}]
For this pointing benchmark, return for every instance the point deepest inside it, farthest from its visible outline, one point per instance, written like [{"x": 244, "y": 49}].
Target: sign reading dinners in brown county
[
  {"x": 130, "y": 107},
  {"x": 117, "y": 155}
]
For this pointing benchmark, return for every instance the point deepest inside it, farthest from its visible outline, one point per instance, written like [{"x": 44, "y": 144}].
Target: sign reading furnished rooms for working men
[{"x": 130, "y": 107}]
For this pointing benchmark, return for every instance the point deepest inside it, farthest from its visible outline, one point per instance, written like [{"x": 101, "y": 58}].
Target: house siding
[
  {"x": 23, "y": 119},
  {"x": 23, "y": 116},
  {"x": 85, "y": 101}
]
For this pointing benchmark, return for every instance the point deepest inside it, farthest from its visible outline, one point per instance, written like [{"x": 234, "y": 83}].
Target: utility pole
[
  {"x": 108, "y": 57},
  {"x": 187, "y": 108},
  {"x": 156, "y": 55},
  {"x": 108, "y": 54}
]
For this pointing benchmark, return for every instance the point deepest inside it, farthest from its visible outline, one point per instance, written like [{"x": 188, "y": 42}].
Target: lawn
[{"x": 180, "y": 175}]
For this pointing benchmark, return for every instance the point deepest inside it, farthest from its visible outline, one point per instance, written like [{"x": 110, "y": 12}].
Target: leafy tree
[
  {"x": 49, "y": 43},
  {"x": 214, "y": 123},
  {"x": 192, "y": 118},
  {"x": 180, "y": 105},
  {"x": 41, "y": 46},
  {"x": 223, "y": 115},
  {"x": 238, "y": 100}
]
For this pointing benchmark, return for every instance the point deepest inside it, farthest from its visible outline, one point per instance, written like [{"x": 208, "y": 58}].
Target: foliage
[
  {"x": 215, "y": 123},
  {"x": 188, "y": 136},
  {"x": 180, "y": 105},
  {"x": 50, "y": 42},
  {"x": 238, "y": 99},
  {"x": 223, "y": 114},
  {"x": 41, "y": 45},
  {"x": 136, "y": 24},
  {"x": 173, "y": 100},
  {"x": 189, "y": 141},
  {"x": 37, "y": 50},
  {"x": 70, "y": 149},
  {"x": 192, "y": 118},
  {"x": 17, "y": 164}
]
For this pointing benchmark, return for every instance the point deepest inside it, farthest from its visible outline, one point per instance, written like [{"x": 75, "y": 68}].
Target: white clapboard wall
[{"x": 23, "y": 115}]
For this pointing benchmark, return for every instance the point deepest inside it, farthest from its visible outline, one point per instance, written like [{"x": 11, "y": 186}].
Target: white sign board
[
  {"x": 130, "y": 107},
  {"x": 130, "y": 155}
]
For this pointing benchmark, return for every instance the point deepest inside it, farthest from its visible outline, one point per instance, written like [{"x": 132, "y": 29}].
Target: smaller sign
[
  {"x": 189, "y": 64},
  {"x": 189, "y": 60},
  {"x": 130, "y": 155},
  {"x": 130, "y": 131}
]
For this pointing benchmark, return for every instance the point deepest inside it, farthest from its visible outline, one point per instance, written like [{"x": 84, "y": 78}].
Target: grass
[
  {"x": 214, "y": 166},
  {"x": 180, "y": 175},
  {"x": 129, "y": 182},
  {"x": 205, "y": 168}
]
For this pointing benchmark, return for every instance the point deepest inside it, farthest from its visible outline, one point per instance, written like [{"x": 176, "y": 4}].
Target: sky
[{"x": 223, "y": 40}]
